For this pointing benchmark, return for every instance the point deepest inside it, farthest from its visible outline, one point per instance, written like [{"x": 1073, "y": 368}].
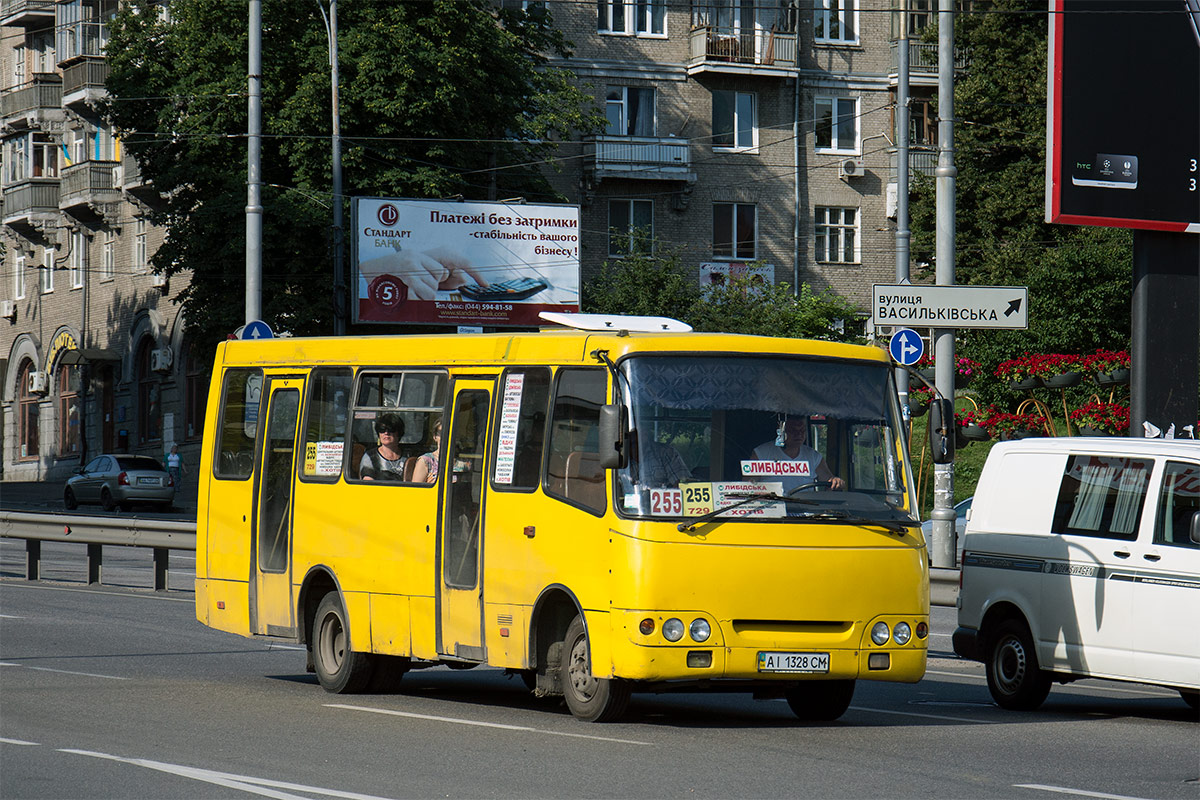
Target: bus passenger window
[
  {"x": 393, "y": 422},
  {"x": 325, "y": 423},
  {"x": 519, "y": 440},
  {"x": 573, "y": 470},
  {"x": 240, "y": 396}
]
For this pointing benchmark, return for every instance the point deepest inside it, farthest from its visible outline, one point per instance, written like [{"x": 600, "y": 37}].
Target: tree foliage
[
  {"x": 1079, "y": 278},
  {"x": 659, "y": 285},
  {"x": 437, "y": 98}
]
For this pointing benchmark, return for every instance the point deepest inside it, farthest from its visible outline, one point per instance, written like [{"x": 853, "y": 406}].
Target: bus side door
[
  {"x": 460, "y": 588},
  {"x": 272, "y": 611}
]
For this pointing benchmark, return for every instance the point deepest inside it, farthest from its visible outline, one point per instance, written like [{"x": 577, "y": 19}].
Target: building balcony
[
  {"x": 83, "y": 81},
  {"x": 27, "y": 13},
  {"x": 744, "y": 52},
  {"x": 31, "y": 203},
  {"x": 639, "y": 158},
  {"x": 922, "y": 159},
  {"x": 34, "y": 105},
  {"x": 131, "y": 179},
  {"x": 923, "y": 61},
  {"x": 89, "y": 189}
]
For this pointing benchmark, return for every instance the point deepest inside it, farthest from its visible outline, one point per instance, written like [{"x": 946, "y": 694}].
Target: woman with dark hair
[{"x": 384, "y": 462}]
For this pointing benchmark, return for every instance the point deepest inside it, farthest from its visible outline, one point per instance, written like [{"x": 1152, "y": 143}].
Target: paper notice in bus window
[
  {"x": 697, "y": 499},
  {"x": 666, "y": 502},
  {"x": 510, "y": 415},
  {"x": 728, "y": 493},
  {"x": 323, "y": 459}
]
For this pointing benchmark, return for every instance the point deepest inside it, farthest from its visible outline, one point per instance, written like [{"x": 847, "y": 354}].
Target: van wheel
[
  {"x": 590, "y": 699},
  {"x": 820, "y": 701},
  {"x": 1013, "y": 676},
  {"x": 106, "y": 500},
  {"x": 69, "y": 499},
  {"x": 339, "y": 669},
  {"x": 1190, "y": 697}
]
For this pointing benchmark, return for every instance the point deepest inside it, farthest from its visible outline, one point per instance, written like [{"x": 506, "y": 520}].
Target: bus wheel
[
  {"x": 590, "y": 699},
  {"x": 1013, "y": 676},
  {"x": 340, "y": 670},
  {"x": 820, "y": 701}
]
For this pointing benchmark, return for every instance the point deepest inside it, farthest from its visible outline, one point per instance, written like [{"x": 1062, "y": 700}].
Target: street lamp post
[{"x": 339, "y": 275}]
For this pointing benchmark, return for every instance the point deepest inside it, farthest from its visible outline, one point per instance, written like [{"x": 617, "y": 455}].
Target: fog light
[
  {"x": 880, "y": 633},
  {"x": 699, "y": 659},
  {"x": 672, "y": 630},
  {"x": 879, "y": 661},
  {"x": 902, "y": 633},
  {"x": 700, "y": 630},
  {"x": 646, "y": 626},
  {"x": 922, "y": 630}
]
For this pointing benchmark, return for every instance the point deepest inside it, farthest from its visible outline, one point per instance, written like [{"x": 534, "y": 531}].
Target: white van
[{"x": 1082, "y": 560}]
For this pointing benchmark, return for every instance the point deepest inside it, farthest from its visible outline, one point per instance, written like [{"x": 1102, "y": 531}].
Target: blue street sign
[
  {"x": 257, "y": 329},
  {"x": 906, "y": 347}
]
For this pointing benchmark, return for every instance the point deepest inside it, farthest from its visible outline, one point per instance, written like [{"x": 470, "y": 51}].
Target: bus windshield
[{"x": 819, "y": 440}]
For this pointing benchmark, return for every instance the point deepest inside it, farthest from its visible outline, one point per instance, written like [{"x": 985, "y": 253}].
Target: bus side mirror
[
  {"x": 612, "y": 439},
  {"x": 941, "y": 430}
]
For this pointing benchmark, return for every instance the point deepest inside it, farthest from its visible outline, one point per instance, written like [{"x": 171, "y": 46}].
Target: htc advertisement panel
[
  {"x": 453, "y": 263},
  {"x": 1123, "y": 114}
]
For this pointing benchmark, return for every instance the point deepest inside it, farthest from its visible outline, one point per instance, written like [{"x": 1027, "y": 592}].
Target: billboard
[
  {"x": 456, "y": 263},
  {"x": 1123, "y": 114}
]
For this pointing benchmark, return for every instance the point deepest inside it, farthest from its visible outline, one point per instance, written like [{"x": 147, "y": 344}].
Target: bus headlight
[
  {"x": 672, "y": 630},
  {"x": 902, "y": 633},
  {"x": 880, "y": 633},
  {"x": 700, "y": 630}
]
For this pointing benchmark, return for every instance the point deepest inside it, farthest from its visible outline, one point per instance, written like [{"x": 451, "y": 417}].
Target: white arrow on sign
[{"x": 950, "y": 306}]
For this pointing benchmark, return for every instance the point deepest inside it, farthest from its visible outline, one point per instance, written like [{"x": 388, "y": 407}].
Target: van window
[
  {"x": 1102, "y": 496},
  {"x": 408, "y": 403},
  {"x": 239, "y": 424},
  {"x": 522, "y": 429},
  {"x": 325, "y": 423},
  {"x": 1180, "y": 500},
  {"x": 573, "y": 466}
]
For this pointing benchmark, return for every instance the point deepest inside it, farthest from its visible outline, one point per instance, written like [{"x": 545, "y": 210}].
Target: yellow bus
[{"x": 638, "y": 508}]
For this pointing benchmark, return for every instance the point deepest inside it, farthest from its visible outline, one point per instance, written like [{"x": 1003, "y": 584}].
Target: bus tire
[
  {"x": 590, "y": 699},
  {"x": 1013, "y": 676},
  {"x": 339, "y": 669},
  {"x": 820, "y": 701}
]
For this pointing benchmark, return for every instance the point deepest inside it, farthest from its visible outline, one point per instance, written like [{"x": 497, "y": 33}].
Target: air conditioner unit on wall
[
  {"x": 38, "y": 384},
  {"x": 160, "y": 359},
  {"x": 8, "y": 309},
  {"x": 851, "y": 168},
  {"x": 158, "y": 281}
]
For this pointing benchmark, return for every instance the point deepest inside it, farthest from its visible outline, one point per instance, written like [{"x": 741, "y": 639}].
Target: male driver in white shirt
[{"x": 795, "y": 448}]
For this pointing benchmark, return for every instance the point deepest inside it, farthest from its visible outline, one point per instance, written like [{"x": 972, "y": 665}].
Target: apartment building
[
  {"x": 93, "y": 353},
  {"x": 746, "y": 130}
]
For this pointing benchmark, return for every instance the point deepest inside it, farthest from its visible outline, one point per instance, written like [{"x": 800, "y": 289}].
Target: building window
[
  {"x": 734, "y": 230},
  {"x": 197, "y": 395},
  {"x": 835, "y": 21},
  {"x": 46, "y": 273},
  {"x": 149, "y": 407},
  {"x": 78, "y": 259},
  {"x": 630, "y": 227},
  {"x": 837, "y": 235},
  {"x": 110, "y": 265},
  {"x": 19, "y": 279},
  {"x": 43, "y": 51},
  {"x": 83, "y": 27},
  {"x": 630, "y": 111},
  {"x": 16, "y": 159},
  {"x": 70, "y": 411},
  {"x": 641, "y": 17},
  {"x": 734, "y": 124},
  {"x": 920, "y": 16},
  {"x": 837, "y": 124},
  {"x": 140, "y": 262},
  {"x": 18, "y": 66},
  {"x": 29, "y": 413},
  {"x": 45, "y": 156}
]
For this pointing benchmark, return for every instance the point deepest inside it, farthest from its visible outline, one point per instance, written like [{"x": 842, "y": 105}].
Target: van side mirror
[
  {"x": 941, "y": 430},
  {"x": 612, "y": 437}
]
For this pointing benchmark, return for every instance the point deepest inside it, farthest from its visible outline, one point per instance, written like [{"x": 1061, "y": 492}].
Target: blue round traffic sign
[
  {"x": 906, "y": 347},
  {"x": 257, "y": 329}
]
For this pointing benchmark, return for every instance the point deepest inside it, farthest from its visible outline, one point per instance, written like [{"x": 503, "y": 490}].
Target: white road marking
[
  {"x": 245, "y": 783},
  {"x": 18, "y": 741},
  {"x": 9, "y": 616},
  {"x": 1080, "y": 792},
  {"x": 63, "y": 671},
  {"x": 923, "y": 716},
  {"x": 477, "y": 723}
]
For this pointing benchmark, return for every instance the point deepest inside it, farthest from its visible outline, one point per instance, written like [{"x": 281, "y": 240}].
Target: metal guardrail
[{"x": 162, "y": 536}]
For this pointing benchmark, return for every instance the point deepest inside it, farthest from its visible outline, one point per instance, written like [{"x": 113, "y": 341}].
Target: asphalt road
[{"x": 116, "y": 691}]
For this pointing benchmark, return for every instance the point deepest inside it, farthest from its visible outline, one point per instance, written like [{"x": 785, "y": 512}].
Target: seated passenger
[
  {"x": 426, "y": 470},
  {"x": 384, "y": 462},
  {"x": 795, "y": 449},
  {"x": 659, "y": 465}
]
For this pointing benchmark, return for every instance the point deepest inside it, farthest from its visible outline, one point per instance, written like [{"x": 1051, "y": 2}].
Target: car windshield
[
  {"x": 709, "y": 432},
  {"x": 138, "y": 462}
]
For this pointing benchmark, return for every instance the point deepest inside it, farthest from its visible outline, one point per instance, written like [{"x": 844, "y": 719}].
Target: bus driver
[{"x": 809, "y": 465}]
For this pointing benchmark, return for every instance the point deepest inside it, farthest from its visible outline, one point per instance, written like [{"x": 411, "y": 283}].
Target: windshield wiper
[
  {"x": 893, "y": 525},
  {"x": 688, "y": 527}
]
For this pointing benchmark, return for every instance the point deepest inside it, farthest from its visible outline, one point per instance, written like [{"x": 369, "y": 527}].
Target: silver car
[
  {"x": 960, "y": 526},
  {"x": 120, "y": 480}
]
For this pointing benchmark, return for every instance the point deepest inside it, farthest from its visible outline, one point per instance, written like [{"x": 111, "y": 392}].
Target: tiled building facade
[{"x": 93, "y": 356}]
